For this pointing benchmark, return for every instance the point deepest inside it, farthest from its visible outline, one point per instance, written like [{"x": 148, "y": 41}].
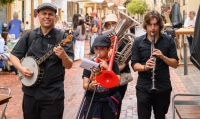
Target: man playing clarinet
[{"x": 164, "y": 54}]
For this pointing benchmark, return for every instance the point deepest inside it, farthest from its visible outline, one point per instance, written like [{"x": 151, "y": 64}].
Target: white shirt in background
[
  {"x": 2, "y": 43},
  {"x": 189, "y": 22}
]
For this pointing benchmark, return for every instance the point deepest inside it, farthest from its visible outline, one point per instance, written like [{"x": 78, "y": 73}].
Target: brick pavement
[
  {"x": 74, "y": 91},
  {"x": 191, "y": 81}
]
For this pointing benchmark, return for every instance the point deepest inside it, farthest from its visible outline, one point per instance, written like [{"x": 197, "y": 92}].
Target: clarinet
[{"x": 153, "y": 86}]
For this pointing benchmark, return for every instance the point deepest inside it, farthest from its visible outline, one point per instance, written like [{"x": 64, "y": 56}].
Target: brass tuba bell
[{"x": 123, "y": 24}]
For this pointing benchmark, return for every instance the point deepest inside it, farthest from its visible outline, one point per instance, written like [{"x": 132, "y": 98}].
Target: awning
[
  {"x": 98, "y": 1},
  {"x": 121, "y": 8}
]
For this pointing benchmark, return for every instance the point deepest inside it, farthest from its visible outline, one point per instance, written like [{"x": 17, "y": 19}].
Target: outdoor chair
[
  {"x": 4, "y": 98},
  {"x": 183, "y": 102}
]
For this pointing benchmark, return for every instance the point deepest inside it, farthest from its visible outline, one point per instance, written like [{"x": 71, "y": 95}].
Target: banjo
[{"x": 34, "y": 65}]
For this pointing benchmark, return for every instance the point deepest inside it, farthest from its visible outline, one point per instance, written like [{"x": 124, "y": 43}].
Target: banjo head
[{"x": 30, "y": 63}]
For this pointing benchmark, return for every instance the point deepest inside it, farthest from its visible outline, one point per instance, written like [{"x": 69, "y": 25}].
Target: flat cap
[
  {"x": 47, "y": 5},
  {"x": 102, "y": 41}
]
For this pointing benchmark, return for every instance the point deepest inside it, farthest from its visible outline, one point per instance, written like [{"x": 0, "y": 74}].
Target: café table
[{"x": 182, "y": 31}]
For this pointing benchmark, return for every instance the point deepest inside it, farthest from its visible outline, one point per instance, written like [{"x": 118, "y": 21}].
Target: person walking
[
  {"x": 15, "y": 26},
  {"x": 94, "y": 29},
  {"x": 58, "y": 23},
  {"x": 80, "y": 33}
]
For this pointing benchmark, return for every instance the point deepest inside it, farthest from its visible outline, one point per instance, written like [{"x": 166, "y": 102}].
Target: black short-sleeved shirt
[
  {"x": 87, "y": 73},
  {"x": 141, "y": 52},
  {"x": 51, "y": 87}
]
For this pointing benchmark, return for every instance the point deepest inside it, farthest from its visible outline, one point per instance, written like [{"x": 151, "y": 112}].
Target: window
[
  {"x": 183, "y": 2},
  {"x": 184, "y": 15}
]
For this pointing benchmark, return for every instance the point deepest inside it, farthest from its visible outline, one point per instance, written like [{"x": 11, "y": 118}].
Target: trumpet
[{"x": 153, "y": 86}]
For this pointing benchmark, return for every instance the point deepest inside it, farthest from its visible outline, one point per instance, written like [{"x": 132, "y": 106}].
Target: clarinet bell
[{"x": 153, "y": 86}]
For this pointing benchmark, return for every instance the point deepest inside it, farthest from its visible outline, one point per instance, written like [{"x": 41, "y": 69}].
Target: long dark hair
[
  {"x": 81, "y": 22},
  {"x": 75, "y": 20}
]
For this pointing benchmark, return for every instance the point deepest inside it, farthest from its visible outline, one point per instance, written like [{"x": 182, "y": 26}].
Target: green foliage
[
  {"x": 137, "y": 7},
  {"x": 5, "y": 2}
]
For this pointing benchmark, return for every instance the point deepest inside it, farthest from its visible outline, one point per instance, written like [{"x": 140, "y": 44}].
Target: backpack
[{"x": 33, "y": 36}]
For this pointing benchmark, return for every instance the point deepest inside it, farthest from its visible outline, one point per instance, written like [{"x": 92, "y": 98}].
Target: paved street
[{"x": 74, "y": 92}]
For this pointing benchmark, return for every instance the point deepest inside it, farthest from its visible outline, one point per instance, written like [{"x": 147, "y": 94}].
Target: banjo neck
[{"x": 49, "y": 53}]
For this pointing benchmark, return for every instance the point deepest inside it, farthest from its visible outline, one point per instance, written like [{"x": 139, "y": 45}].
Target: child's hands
[
  {"x": 93, "y": 84},
  {"x": 103, "y": 64}
]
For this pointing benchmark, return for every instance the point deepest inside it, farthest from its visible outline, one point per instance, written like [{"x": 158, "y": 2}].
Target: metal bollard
[{"x": 185, "y": 59}]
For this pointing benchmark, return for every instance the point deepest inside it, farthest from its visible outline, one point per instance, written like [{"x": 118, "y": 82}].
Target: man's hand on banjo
[
  {"x": 26, "y": 72},
  {"x": 60, "y": 52}
]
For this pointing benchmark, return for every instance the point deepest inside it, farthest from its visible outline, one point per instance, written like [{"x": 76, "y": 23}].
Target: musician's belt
[{"x": 100, "y": 91}]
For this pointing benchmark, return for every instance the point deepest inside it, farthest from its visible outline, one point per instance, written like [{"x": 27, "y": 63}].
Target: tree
[
  {"x": 137, "y": 7},
  {"x": 5, "y": 2}
]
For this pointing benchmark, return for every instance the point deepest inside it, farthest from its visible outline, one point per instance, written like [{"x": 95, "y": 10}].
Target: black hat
[
  {"x": 102, "y": 41},
  {"x": 47, "y": 5}
]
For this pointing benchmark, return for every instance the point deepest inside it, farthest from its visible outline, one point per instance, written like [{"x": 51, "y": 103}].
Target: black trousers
[
  {"x": 159, "y": 101},
  {"x": 190, "y": 38},
  {"x": 122, "y": 91},
  {"x": 106, "y": 112},
  {"x": 37, "y": 109}
]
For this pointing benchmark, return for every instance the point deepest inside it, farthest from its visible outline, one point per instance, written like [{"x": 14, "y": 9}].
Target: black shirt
[
  {"x": 51, "y": 87},
  {"x": 87, "y": 73},
  {"x": 141, "y": 52}
]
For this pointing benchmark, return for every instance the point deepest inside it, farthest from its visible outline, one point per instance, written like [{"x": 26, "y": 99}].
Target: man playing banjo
[{"x": 45, "y": 99}]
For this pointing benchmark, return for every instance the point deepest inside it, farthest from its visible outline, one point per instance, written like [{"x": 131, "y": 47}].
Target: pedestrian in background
[
  {"x": 132, "y": 29},
  {"x": 190, "y": 23},
  {"x": 94, "y": 29},
  {"x": 80, "y": 33},
  {"x": 75, "y": 20},
  {"x": 15, "y": 26},
  {"x": 58, "y": 23},
  {"x": 1, "y": 27},
  {"x": 2, "y": 43}
]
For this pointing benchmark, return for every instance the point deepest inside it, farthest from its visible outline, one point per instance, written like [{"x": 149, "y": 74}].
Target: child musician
[{"x": 106, "y": 100}]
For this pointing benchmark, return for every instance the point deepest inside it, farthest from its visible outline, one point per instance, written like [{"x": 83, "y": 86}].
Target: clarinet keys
[{"x": 153, "y": 85}]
